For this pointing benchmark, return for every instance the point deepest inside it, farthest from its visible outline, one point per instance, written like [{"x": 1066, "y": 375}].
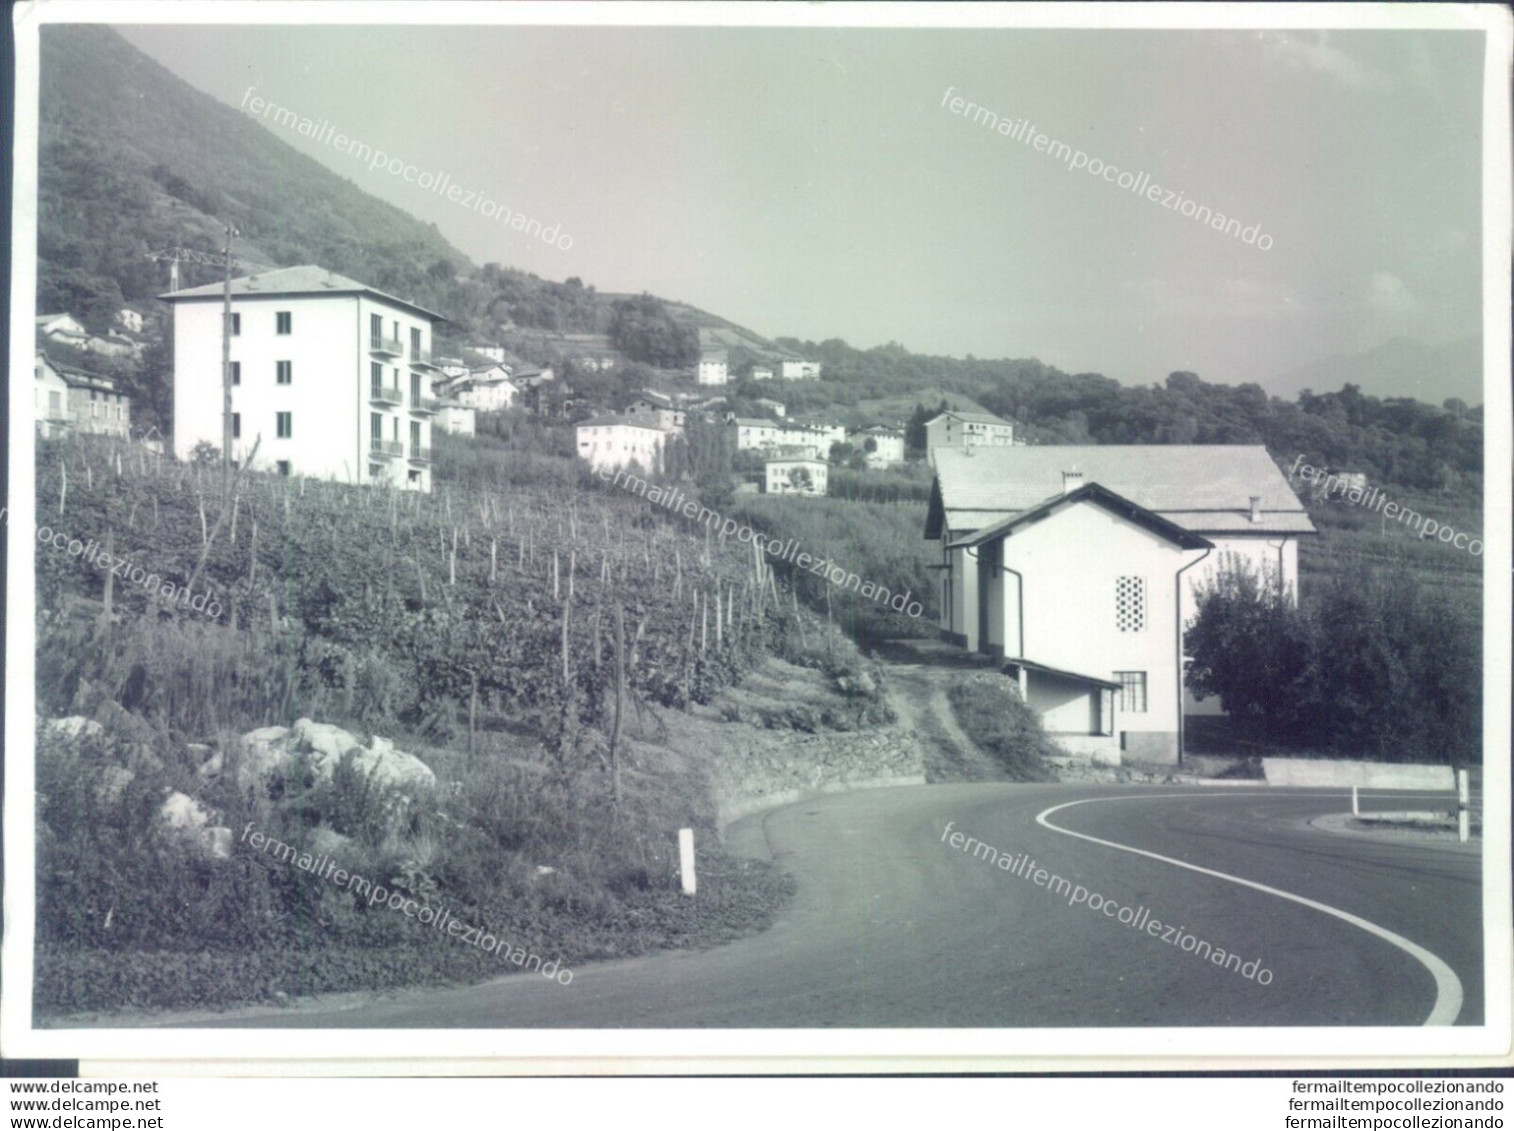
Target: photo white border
[{"x": 217, "y": 1051}]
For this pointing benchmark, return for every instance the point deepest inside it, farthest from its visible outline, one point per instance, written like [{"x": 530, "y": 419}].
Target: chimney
[
  {"x": 1256, "y": 508},
  {"x": 1071, "y": 481}
]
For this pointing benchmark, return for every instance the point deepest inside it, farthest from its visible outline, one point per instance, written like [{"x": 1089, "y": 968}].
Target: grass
[{"x": 989, "y": 710}]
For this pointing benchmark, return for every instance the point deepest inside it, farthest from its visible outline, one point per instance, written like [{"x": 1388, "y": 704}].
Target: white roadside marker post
[
  {"x": 1463, "y": 803},
  {"x": 1356, "y": 809},
  {"x": 686, "y": 860}
]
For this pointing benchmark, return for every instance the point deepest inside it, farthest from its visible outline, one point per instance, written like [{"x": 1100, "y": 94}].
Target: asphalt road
[{"x": 894, "y": 927}]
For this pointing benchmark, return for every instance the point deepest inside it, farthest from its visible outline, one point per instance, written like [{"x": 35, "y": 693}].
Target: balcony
[
  {"x": 385, "y": 347},
  {"x": 387, "y": 449},
  {"x": 419, "y": 454},
  {"x": 427, "y": 406},
  {"x": 421, "y": 359},
  {"x": 386, "y": 394}
]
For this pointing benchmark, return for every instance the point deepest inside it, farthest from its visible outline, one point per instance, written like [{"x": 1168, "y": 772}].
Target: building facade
[
  {"x": 456, "y": 418},
  {"x": 489, "y": 389},
  {"x": 69, "y": 400},
  {"x": 957, "y": 430},
  {"x": 797, "y": 369},
  {"x": 795, "y": 476},
  {"x": 712, "y": 368},
  {"x": 621, "y": 442},
  {"x": 881, "y": 447},
  {"x": 331, "y": 378},
  {"x": 657, "y": 410},
  {"x": 1078, "y": 566}
]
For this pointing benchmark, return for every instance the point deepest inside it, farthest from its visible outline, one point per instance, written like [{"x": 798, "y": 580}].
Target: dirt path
[{"x": 917, "y": 692}]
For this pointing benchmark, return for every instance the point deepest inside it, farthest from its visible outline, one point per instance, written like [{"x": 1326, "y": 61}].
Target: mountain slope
[
  {"x": 1399, "y": 367},
  {"x": 133, "y": 158}
]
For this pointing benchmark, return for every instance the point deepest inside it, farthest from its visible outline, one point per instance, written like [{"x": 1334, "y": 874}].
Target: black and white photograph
[{"x": 795, "y": 530}]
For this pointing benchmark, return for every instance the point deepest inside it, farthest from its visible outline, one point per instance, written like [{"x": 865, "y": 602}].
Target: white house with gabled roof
[
  {"x": 1077, "y": 566},
  {"x": 332, "y": 375}
]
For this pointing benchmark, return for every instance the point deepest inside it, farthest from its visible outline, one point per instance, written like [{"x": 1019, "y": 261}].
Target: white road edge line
[{"x": 1448, "y": 991}]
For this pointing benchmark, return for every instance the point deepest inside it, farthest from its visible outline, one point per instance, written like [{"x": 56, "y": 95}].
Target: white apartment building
[
  {"x": 331, "y": 375},
  {"x": 712, "y": 368},
  {"x": 789, "y": 476},
  {"x": 620, "y": 442},
  {"x": 958, "y": 430},
  {"x": 799, "y": 370},
  {"x": 882, "y": 447}
]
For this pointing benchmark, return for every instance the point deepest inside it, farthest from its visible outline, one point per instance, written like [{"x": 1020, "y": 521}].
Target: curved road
[{"x": 894, "y": 927}]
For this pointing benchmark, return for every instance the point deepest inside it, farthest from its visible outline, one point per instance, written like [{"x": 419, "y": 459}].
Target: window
[
  {"x": 1130, "y": 604},
  {"x": 376, "y": 378},
  {"x": 283, "y": 467},
  {"x": 415, "y": 389},
  {"x": 236, "y": 426},
  {"x": 285, "y": 372},
  {"x": 415, "y": 341},
  {"x": 236, "y": 325},
  {"x": 236, "y": 372},
  {"x": 376, "y": 328},
  {"x": 285, "y": 422},
  {"x": 284, "y": 320},
  {"x": 376, "y": 425},
  {"x": 415, "y": 436},
  {"x": 1132, "y": 691},
  {"x": 54, "y": 404}
]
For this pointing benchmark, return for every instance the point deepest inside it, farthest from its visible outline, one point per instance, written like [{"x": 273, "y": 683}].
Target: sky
[{"x": 817, "y": 183}]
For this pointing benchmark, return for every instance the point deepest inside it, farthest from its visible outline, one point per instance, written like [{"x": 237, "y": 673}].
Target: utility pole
[
  {"x": 177, "y": 255},
  {"x": 226, "y": 436}
]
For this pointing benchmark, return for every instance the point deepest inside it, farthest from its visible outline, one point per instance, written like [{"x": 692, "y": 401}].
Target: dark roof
[
  {"x": 630, "y": 421},
  {"x": 304, "y": 281},
  {"x": 1031, "y": 665},
  {"x": 969, "y": 417},
  {"x": 1099, "y": 496},
  {"x": 1201, "y": 487}
]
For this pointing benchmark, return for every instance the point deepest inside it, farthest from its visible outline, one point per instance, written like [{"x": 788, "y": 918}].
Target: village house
[
  {"x": 456, "y": 418},
  {"x": 794, "y": 475},
  {"x": 488, "y": 389},
  {"x": 70, "y": 400},
  {"x": 129, "y": 320},
  {"x": 1077, "y": 566},
  {"x": 797, "y": 369},
  {"x": 658, "y": 410},
  {"x": 761, "y": 373},
  {"x": 775, "y": 407},
  {"x": 621, "y": 442},
  {"x": 881, "y": 447},
  {"x": 64, "y": 328},
  {"x": 331, "y": 375},
  {"x": 712, "y": 368},
  {"x": 955, "y": 429},
  {"x": 495, "y": 353}
]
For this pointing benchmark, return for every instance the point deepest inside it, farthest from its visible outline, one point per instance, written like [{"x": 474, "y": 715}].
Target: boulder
[
  {"x": 180, "y": 811},
  {"x": 75, "y": 727},
  {"x": 269, "y": 749}
]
